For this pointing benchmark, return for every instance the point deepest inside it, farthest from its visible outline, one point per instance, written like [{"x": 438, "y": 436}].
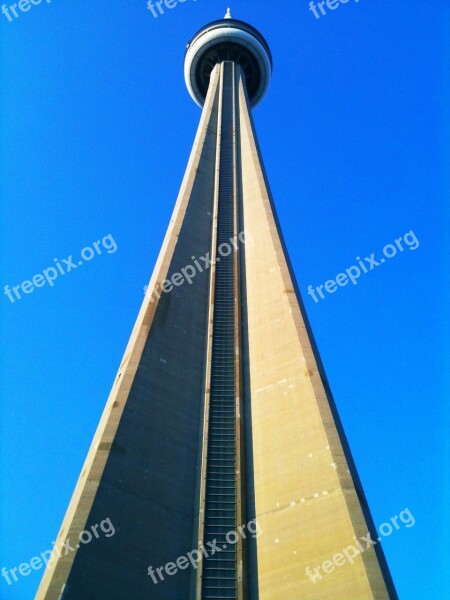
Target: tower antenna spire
[{"x": 228, "y": 14}]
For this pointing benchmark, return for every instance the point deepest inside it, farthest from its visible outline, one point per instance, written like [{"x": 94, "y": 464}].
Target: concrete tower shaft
[{"x": 220, "y": 413}]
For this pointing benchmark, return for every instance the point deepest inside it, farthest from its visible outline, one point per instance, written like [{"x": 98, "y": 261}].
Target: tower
[{"x": 220, "y": 459}]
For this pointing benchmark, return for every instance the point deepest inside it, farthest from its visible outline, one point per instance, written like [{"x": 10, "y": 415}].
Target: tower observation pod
[
  {"x": 228, "y": 40},
  {"x": 220, "y": 461}
]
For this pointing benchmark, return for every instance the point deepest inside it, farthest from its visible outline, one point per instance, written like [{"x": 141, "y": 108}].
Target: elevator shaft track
[{"x": 220, "y": 578}]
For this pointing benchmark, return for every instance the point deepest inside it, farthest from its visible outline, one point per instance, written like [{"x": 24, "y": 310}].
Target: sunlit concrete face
[
  {"x": 220, "y": 394},
  {"x": 305, "y": 499}
]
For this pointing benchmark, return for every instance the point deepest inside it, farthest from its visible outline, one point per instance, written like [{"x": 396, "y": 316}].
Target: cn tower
[{"x": 220, "y": 458}]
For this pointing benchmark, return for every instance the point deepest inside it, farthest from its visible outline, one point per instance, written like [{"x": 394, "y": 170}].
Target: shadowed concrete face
[{"x": 141, "y": 471}]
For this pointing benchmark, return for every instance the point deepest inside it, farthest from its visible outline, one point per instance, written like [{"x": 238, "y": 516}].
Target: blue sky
[{"x": 96, "y": 129}]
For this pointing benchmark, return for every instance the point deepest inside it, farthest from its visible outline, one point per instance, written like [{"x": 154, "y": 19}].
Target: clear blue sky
[{"x": 96, "y": 129}]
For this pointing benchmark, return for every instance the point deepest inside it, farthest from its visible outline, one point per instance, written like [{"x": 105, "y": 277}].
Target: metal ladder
[{"x": 219, "y": 579}]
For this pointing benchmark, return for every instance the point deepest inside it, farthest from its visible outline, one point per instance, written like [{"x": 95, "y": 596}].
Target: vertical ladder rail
[{"x": 221, "y": 572}]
